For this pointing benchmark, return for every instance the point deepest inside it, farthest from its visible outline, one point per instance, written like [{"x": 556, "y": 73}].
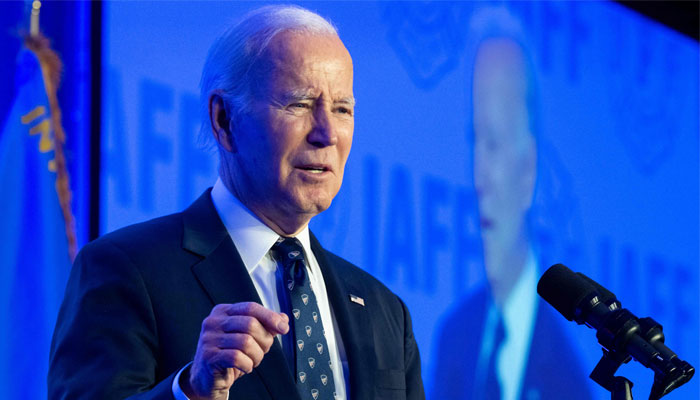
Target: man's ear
[{"x": 221, "y": 123}]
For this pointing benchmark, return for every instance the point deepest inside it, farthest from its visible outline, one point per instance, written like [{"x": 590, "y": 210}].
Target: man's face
[
  {"x": 504, "y": 149},
  {"x": 290, "y": 148}
]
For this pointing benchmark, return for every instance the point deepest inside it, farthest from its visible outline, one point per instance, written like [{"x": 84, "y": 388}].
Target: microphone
[{"x": 581, "y": 299}]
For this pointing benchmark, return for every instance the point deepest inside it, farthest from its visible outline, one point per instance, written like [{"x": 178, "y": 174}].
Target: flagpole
[{"x": 34, "y": 19}]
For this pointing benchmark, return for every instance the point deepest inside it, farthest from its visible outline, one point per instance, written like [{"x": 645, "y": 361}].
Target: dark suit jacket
[
  {"x": 551, "y": 372},
  {"x": 136, "y": 299}
]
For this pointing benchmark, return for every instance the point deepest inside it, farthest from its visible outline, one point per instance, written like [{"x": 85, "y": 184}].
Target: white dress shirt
[
  {"x": 519, "y": 313},
  {"x": 253, "y": 240}
]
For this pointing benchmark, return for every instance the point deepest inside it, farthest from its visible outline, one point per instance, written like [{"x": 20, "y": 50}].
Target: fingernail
[{"x": 282, "y": 326}]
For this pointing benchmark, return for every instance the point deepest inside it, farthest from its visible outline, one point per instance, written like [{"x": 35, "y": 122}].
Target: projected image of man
[{"x": 514, "y": 349}]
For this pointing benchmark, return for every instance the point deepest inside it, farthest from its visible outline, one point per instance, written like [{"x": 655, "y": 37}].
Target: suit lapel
[
  {"x": 224, "y": 278},
  {"x": 221, "y": 271},
  {"x": 353, "y": 324}
]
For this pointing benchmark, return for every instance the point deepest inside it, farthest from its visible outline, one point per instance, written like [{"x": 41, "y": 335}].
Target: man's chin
[
  {"x": 314, "y": 207},
  {"x": 303, "y": 209},
  {"x": 313, "y": 201}
]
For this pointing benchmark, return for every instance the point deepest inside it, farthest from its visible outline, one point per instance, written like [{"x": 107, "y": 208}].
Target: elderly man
[{"x": 234, "y": 297}]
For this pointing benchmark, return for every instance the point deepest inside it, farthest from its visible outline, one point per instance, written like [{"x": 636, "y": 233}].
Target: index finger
[{"x": 274, "y": 322}]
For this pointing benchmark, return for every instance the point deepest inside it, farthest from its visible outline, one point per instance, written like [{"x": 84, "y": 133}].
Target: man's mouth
[{"x": 315, "y": 168}]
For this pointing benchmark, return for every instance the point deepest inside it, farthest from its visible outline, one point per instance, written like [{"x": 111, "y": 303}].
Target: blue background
[
  {"x": 619, "y": 133},
  {"x": 618, "y": 137}
]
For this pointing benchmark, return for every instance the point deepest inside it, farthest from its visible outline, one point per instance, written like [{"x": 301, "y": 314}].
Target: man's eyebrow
[
  {"x": 308, "y": 94},
  {"x": 298, "y": 95},
  {"x": 346, "y": 100}
]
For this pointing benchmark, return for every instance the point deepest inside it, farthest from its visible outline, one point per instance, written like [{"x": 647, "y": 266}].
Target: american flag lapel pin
[{"x": 357, "y": 300}]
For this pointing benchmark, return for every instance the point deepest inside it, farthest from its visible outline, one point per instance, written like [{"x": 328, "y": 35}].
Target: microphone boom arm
[{"x": 622, "y": 335}]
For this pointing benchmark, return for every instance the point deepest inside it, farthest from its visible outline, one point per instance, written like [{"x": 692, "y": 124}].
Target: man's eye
[
  {"x": 344, "y": 110},
  {"x": 299, "y": 105}
]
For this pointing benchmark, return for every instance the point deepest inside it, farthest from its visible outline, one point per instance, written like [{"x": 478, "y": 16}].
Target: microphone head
[
  {"x": 564, "y": 290},
  {"x": 604, "y": 295}
]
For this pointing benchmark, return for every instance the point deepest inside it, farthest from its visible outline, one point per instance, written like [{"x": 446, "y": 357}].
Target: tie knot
[
  {"x": 290, "y": 254},
  {"x": 288, "y": 250}
]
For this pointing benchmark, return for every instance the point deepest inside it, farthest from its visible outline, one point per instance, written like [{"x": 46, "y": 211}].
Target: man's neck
[
  {"x": 287, "y": 227},
  {"x": 504, "y": 268}
]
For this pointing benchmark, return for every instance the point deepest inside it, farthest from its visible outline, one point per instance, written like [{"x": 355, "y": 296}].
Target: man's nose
[
  {"x": 481, "y": 175},
  {"x": 478, "y": 185},
  {"x": 324, "y": 131}
]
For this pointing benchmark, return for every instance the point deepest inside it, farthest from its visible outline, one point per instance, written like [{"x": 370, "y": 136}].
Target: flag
[{"x": 37, "y": 236}]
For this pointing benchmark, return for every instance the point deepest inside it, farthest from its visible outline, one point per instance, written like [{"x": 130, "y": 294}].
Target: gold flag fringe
[{"x": 51, "y": 68}]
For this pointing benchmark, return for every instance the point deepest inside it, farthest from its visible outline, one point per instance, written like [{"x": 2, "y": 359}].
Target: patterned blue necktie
[
  {"x": 489, "y": 386},
  {"x": 314, "y": 376},
  {"x": 492, "y": 385}
]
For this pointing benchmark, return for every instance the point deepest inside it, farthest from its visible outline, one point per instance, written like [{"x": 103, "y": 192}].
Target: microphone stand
[
  {"x": 623, "y": 389},
  {"x": 620, "y": 388},
  {"x": 669, "y": 371}
]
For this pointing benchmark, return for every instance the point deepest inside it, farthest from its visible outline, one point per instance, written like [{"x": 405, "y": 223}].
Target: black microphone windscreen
[
  {"x": 563, "y": 289},
  {"x": 604, "y": 295}
]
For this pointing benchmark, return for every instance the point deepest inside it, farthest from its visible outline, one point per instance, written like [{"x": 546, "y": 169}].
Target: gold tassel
[{"x": 51, "y": 68}]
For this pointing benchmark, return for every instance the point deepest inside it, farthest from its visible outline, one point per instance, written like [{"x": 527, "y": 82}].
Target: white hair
[{"x": 232, "y": 55}]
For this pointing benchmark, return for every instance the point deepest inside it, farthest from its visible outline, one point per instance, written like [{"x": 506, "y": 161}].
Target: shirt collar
[
  {"x": 252, "y": 238},
  {"x": 520, "y": 304}
]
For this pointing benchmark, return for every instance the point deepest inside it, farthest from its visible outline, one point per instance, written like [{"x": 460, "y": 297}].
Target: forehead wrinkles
[{"x": 293, "y": 62}]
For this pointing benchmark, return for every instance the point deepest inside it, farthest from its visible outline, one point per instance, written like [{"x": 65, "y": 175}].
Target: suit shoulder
[{"x": 467, "y": 311}]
